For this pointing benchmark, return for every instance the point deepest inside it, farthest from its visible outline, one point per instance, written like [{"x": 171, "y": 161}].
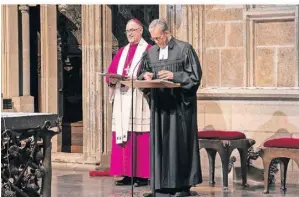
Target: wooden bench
[
  {"x": 224, "y": 142},
  {"x": 282, "y": 149}
]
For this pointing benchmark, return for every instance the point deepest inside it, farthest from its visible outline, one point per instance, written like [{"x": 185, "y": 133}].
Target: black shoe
[
  {"x": 182, "y": 194},
  {"x": 125, "y": 181},
  {"x": 138, "y": 182}
]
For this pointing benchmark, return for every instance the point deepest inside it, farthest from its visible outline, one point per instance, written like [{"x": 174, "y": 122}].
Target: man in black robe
[{"x": 175, "y": 161}]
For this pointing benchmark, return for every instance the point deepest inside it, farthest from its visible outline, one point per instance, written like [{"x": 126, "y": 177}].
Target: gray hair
[{"x": 158, "y": 22}]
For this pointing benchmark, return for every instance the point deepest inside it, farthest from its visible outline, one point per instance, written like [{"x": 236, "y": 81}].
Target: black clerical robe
[{"x": 174, "y": 144}]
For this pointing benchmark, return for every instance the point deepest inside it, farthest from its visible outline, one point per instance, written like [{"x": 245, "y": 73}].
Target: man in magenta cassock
[{"x": 126, "y": 62}]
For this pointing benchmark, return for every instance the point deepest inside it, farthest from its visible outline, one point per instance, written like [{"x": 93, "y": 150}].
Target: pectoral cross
[{"x": 127, "y": 70}]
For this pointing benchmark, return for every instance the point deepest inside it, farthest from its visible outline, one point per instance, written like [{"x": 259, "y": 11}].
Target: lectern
[{"x": 157, "y": 83}]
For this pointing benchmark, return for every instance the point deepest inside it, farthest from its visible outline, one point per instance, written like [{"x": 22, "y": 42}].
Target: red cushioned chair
[
  {"x": 282, "y": 149},
  {"x": 224, "y": 142}
]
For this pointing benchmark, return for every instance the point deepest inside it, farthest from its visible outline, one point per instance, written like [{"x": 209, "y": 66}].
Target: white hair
[{"x": 158, "y": 23}]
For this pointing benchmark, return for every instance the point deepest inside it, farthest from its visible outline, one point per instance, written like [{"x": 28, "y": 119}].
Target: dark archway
[
  {"x": 35, "y": 56},
  {"x": 122, "y": 13}
]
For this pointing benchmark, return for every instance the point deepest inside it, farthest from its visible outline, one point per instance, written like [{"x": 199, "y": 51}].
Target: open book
[
  {"x": 156, "y": 83},
  {"x": 114, "y": 75}
]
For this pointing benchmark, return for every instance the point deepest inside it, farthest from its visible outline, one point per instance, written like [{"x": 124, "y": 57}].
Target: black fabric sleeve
[{"x": 190, "y": 77}]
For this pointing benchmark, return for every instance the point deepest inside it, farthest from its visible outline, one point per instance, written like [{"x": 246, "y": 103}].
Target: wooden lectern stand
[{"x": 156, "y": 83}]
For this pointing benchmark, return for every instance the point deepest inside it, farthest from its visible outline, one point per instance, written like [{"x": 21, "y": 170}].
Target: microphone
[{"x": 136, "y": 66}]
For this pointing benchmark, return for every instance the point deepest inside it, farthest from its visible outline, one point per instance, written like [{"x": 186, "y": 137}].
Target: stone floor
[{"x": 67, "y": 183}]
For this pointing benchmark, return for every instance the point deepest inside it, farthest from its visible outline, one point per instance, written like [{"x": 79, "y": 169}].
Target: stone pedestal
[{"x": 23, "y": 103}]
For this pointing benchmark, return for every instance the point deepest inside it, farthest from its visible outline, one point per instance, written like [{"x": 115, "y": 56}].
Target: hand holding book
[{"x": 114, "y": 75}]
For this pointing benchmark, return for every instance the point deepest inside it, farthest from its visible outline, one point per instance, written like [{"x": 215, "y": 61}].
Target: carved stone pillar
[
  {"x": 297, "y": 44},
  {"x": 96, "y": 56},
  {"x": 25, "y": 49},
  {"x": 106, "y": 131},
  {"x": 10, "y": 61},
  {"x": 186, "y": 22},
  {"x": 48, "y": 71},
  {"x": 9, "y": 51},
  {"x": 24, "y": 102},
  {"x": 48, "y": 59}
]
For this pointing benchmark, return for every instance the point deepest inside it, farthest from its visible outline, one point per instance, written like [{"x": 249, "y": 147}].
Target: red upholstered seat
[
  {"x": 283, "y": 143},
  {"x": 221, "y": 135}
]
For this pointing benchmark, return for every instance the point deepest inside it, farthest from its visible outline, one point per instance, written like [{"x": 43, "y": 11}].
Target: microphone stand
[
  {"x": 154, "y": 154},
  {"x": 153, "y": 142},
  {"x": 132, "y": 122}
]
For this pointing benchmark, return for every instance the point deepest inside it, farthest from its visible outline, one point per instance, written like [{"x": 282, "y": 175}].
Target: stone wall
[
  {"x": 249, "y": 57},
  {"x": 225, "y": 58},
  {"x": 250, "y": 46},
  {"x": 258, "y": 119},
  {"x": 250, "y": 73}
]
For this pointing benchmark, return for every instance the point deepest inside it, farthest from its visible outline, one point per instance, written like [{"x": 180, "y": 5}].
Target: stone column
[
  {"x": 96, "y": 56},
  {"x": 24, "y": 102},
  {"x": 48, "y": 58},
  {"x": 9, "y": 51},
  {"x": 186, "y": 23},
  {"x": 25, "y": 49},
  {"x": 49, "y": 75},
  {"x": 297, "y": 44},
  {"x": 106, "y": 131}
]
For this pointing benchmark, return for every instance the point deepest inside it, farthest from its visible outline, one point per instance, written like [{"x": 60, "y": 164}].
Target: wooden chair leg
[
  {"x": 283, "y": 173},
  {"x": 224, "y": 155},
  {"x": 266, "y": 162},
  {"x": 243, "y": 157},
  {"x": 211, "y": 156},
  {"x": 296, "y": 160}
]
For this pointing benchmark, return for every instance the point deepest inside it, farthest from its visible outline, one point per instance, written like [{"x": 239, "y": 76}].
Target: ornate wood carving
[{"x": 25, "y": 169}]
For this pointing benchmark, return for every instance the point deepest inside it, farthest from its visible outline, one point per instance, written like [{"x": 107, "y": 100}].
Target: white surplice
[{"x": 121, "y": 115}]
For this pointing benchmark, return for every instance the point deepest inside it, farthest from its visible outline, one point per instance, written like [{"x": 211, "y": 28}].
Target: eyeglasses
[
  {"x": 130, "y": 31},
  {"x": 157, "y": 38}
]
